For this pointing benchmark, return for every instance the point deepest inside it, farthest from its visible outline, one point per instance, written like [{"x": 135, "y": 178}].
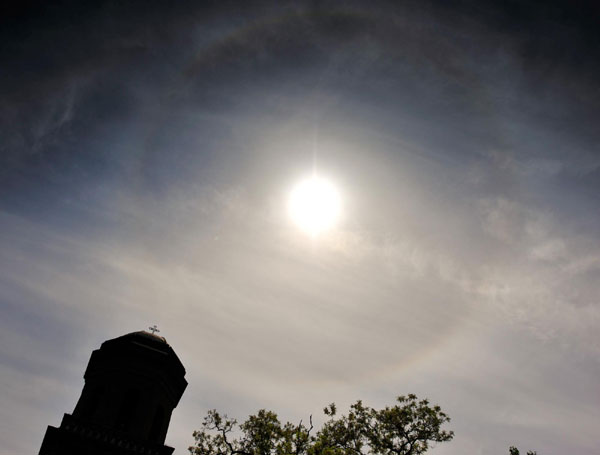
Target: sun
[{"x": 314, "y": 205}]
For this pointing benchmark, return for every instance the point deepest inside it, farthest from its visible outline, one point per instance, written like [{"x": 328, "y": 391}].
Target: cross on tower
[{"x": 154, "y": 329}]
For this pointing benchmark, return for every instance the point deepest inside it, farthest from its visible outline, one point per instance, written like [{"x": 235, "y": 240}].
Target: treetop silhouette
[{"x": 407, "y": 428}]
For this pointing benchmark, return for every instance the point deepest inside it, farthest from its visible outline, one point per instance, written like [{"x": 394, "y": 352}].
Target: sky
[{"x": 147, "y": 153}]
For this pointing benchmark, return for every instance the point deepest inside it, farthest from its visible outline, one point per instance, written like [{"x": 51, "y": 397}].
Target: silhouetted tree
[
  {"x": 514, "y": 451},
  {"x": 407, "y": 428}
]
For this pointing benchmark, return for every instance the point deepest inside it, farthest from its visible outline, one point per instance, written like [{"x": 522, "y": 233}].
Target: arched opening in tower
[
  {"x": 93, "y": 402},
  {"x": 127, "y": 410},
  {"x": 157, "y": 424}
]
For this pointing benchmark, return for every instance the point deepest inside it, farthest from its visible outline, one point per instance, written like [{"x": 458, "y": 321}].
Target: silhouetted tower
[{"x": 132, "y": 385}]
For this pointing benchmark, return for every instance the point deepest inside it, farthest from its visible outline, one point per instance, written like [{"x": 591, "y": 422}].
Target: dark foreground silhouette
[
  {"x": 410, "y": 427},
  {"x": 407, "y": 428},
  {"x": 132, "y": 385}
]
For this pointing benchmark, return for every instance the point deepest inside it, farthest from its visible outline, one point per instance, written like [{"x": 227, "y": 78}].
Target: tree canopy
[
  {"x": 407, "y": 428},
  {"x": 514, "y": 451}
]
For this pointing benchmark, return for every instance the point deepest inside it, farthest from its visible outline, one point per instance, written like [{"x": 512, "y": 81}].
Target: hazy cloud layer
[{"x": 146, "y": 156}]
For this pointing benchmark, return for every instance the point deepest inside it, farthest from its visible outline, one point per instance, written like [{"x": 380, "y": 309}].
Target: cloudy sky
[{"x": 147, "y": 151}]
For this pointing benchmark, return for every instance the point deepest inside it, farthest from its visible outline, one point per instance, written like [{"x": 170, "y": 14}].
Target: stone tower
[{"x": 132, "y": 385}]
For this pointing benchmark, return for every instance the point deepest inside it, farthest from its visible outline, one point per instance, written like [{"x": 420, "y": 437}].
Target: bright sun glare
[{"x": 314, "y": 205}]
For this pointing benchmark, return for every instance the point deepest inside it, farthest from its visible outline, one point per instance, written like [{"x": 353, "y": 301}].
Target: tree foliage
[
  {"x": 514, "y": 451},
  {"x": 407, "y": 428}
]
